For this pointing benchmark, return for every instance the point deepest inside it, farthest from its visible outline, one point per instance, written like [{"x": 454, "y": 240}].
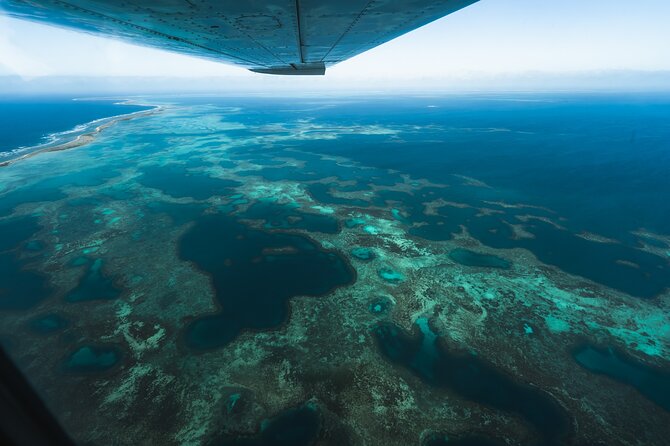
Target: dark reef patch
[
  {"x": 49, "y": 323},
  {"x": 254, "y": 274},
  {"x": 84, "y": 202},
  {"x": 653, "y": 242},
  {"x": 79, "y": 261},
  {"x": 34, "y": 246},
  {"x": 294, "y": 427},
  {"x": 322, "y": 193},
  {"x": 650, "y": 382},
  {"x": 472, "y": 258},
  {"x": 227, "y": 164},
  {"x": 177, "y": 181},
  {"x": 471, "y": 378},
  {"x": 180, "y": 214},
  {"x": 280, "y": 174},
  {"x": 461, "y": 441},
  {"x": 265, "y": 161},
  {"x": 94, "y": 285},
  {"x": 92, "y": 359},
  {"x": 284, "y": 216}
]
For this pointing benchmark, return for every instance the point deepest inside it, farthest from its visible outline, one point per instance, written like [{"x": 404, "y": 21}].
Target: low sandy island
[{"x": 84, "y": 138}]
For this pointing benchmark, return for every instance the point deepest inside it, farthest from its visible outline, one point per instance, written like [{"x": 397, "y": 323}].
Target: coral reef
[{"x": 205, "y": 276}]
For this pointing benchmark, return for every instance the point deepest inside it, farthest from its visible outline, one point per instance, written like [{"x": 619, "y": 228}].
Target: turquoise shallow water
[{"x": 476, "y": 269}]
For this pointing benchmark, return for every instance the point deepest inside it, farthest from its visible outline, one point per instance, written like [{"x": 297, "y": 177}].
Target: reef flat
[{"x": 215, "y": 274}]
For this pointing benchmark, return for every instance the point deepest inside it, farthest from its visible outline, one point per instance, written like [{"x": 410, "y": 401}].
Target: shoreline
[{"x": 88, "y": 136}]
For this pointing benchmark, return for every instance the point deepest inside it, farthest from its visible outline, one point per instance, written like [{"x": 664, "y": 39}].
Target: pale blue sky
[{"x": 491, "y": 38}]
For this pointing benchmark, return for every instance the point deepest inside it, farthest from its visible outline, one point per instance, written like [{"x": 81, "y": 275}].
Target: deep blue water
[
  {"x": 175, "y": 180},
  {"x": 588, "y": 157},
  {"x": 472, "y": 378},
  {"x": 21, "y": 288},
  {"x": 472, "y": 258},
  {"x": 93, "y": 284},
  {"x": 25, "y": 122},
  {"x": 598, "y": 163},
  {"x": 92, "y": 359},
  {"x": 600, "y": 160},
  {"x": 254, "y": 274}
]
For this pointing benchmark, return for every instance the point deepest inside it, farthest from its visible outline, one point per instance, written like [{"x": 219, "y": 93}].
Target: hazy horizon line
[{"x": 532, "y": 81}]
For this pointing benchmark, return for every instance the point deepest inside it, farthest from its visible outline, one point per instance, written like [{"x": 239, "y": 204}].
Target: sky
[{"x": 491, "y": 40}]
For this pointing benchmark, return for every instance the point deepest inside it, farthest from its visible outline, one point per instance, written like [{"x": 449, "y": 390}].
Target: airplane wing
[{"x": 265, "y": 36}]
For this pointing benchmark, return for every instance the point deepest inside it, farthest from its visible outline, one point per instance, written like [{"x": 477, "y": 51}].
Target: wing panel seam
[
  {"x": 254, "y": 40},
  {"x": 349, "y": 28},
  {"x": 299, "y": 30}
]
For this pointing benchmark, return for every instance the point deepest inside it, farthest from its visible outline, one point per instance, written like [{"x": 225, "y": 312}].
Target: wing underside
[{"x": 265, "y": 36}]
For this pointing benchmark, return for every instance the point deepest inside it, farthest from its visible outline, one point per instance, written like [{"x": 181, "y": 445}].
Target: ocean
[
  {"x": 32, "y": 121},
  {"x": 472, "y": 269}
]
